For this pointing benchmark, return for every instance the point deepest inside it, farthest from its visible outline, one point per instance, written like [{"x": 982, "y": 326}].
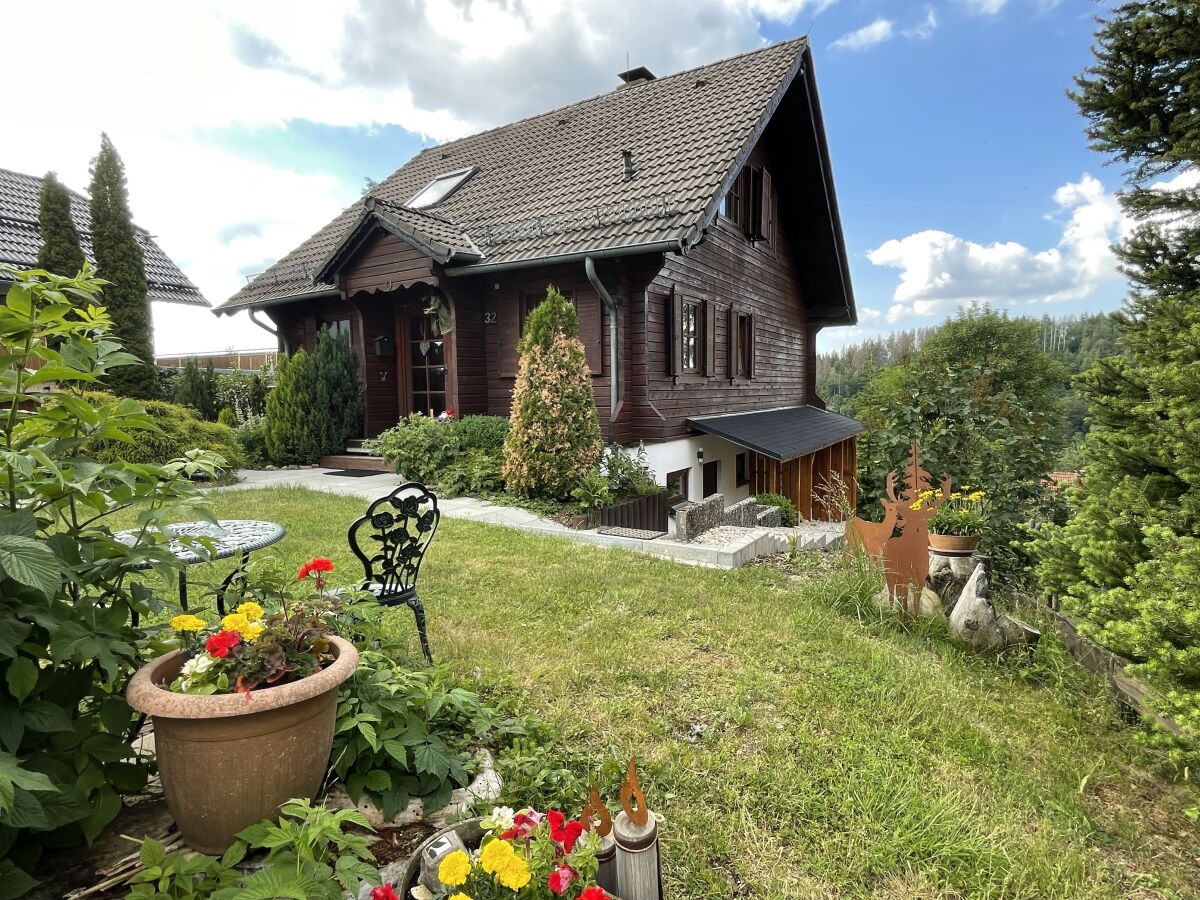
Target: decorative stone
[
  {"x": 697, "y": 518},
  {"x": 769, "y": 517},
  {"x": 976, "y": 622},
  {"x": 948, "y": 575},
  {"x": 433, "y": 854},
  {"x": 744, "y": 513}
]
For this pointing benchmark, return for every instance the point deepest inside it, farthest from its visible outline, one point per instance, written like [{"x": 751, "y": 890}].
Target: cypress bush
[
  {"x": 554, "y": 435},
  {"x": 338, "y": 397},
  {"x": 294, "y": 430},
  {"x": 197, "y": 389},
  {"x": 60, "y": 250}
]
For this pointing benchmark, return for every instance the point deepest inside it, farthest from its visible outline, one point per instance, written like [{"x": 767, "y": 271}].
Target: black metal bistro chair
[{"x": 397, "y": 529}]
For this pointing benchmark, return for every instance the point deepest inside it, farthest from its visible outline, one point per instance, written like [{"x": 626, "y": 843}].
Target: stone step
[{"x": 355, "y": 461}]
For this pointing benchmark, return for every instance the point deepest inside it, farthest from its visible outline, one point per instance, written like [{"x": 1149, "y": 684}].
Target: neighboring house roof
[
  {"x": 783, "y": 433},
  {"x": 20, "y": 239},
  {"x": 553, "y": 185}
]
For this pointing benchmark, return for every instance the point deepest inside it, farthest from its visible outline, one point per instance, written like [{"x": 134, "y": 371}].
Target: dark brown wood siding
[
  {"x": 383, "y": 263},
  {"x": 380, "y": 397}
]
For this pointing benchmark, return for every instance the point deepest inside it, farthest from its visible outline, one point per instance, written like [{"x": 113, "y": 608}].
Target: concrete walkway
[{"x": 739, "y": 550}]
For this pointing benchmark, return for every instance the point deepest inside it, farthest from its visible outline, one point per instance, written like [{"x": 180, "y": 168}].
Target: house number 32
[{"x": 489, "y": 318}]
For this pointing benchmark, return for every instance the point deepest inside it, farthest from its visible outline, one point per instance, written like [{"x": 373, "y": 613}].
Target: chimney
[{"x": 637, "y": 75}]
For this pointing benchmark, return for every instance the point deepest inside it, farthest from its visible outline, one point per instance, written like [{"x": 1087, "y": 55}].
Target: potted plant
[
  {"x": 959, "y": 521},
  {"x": 512, "y": 855},
  {"x": 248, "y": 704}
]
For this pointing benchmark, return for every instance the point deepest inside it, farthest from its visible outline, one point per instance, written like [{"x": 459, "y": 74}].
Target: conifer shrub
[
  {"x": 178, "y": 431},
  {"x": 338, "y": 396},
  {"x": 226, "y": 417},
  {"x": 554, "y": 434},
  {"x": 61, "y": 250},
  {"x": 293, "y": 427},
  {"x": 197, "y": 388}
]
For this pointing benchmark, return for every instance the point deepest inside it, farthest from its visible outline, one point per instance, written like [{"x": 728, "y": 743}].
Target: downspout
[
  {"x": 614, "y": 346},
  {"x": 280, "y": 340}
]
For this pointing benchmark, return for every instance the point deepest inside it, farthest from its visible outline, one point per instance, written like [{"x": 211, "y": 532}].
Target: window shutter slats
[
  {"x": 764, "y": 223},
  {"x": 710, "y": 338},
  {"x": 675, "y": 357},
  {"x": 733, "y": 341},
  {"x": 750, "y": 349}
]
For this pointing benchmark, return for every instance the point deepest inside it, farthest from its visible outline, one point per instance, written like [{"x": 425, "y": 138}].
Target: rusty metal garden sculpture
[{"x": 864, "y": 536}]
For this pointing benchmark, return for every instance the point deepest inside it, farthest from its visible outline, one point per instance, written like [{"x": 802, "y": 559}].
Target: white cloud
[
  {"x": 867, "y": 314},
  {"x": 868, "y": 36},
  {"x": 924, "y": 29},
  {"x": 940, "y": 271},
  {"x": 163, "y": 78},
  {"x": 984, "y": 7}
]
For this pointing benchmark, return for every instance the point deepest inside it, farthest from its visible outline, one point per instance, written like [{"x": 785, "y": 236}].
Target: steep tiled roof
[
  {"x": 554, "y": 183},
  {"x": 20, "y": 240}
]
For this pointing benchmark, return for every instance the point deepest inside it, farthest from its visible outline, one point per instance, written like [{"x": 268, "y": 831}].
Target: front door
[
  {"x": 711, "y": 472},
  {"x": 425, "y": 349}
]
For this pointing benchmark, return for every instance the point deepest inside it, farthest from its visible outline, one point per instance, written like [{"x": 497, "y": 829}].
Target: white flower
[{"x": 501, "y": 818}]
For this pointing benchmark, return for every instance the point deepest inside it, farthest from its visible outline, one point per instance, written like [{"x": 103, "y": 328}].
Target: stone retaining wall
[{"x": 695, "y": 519}]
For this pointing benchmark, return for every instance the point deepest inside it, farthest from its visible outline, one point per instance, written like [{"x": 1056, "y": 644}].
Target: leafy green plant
[
  {"x": 475, "y": 472},
  {"x": 243, "y": 392},
  {"x": 964, "y": 513},
  {"x": 628, "y": 474},
  {"x": 480, "y": 433},
  {"x": 419, "y": 447},
  {"x": 532, "y": 773},
  {"x": 592, "y": 491},
  {"x": 310, "y": 856},
  {"x": 554, "y": 438},
  {"x": 251, "y": 437},
  {"x": 788, "y": 516},
  {"x": 226, "y": 417},
  {"x": 402, "y": 734},
  {"x": 197, "y": 388},
  {"x": 67, "y": 641}
]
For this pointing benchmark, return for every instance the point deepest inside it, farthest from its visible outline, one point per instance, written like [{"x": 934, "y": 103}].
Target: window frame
[
  {"x": 697, "y": 309},
  {"x": 336, "y": 329},
  {"x": 460, "y": 175},
  {"x": 741, "y": 469},
  {"x": 684, "y": 486}
]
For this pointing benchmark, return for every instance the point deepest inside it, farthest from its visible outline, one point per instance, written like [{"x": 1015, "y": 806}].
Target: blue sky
[{"x": 962, "y": 169}]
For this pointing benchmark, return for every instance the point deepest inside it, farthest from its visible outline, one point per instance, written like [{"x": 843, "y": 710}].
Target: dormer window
[{"x": 439, "y": 189}]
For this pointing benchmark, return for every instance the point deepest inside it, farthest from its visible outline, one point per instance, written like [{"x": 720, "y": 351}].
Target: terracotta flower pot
[
  {"x": 227, "y": 761},
  {"x": 953, "y": 543}
]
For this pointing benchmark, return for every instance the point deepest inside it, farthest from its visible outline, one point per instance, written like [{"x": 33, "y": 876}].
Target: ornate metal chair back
[{"x": 391, "y": 538}]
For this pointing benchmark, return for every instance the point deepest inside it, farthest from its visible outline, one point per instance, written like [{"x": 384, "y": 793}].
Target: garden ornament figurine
[
  {"x": 906, "y": 556},
  {"x": 595, "y": 817},
  {"x": 635, "y": 831},
  {"x": 869, "y": 537}
]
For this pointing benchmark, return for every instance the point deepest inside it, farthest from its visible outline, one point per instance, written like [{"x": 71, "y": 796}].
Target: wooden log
[
  {"x": 606, "y": 875},
  {"x": 639, "y": 867}
]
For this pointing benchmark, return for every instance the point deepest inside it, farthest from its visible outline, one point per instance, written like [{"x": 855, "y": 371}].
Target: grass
[{"x": 796, "y": 748}]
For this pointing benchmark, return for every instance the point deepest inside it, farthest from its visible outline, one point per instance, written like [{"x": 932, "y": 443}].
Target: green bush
[
  {"x": 226, "y": 417},
  {"x": 475, "y": 473},
  {"x": 788, "y": 516},
  {"x": 480, "y": 432},
  {"x": 419, "y": 447},
  {"x": 178, "y": 430},
  {"x": 252, "y": 438},
  {"x": 593, "y": 491},
  {"x": 554, "y": 438},
  {"x": 293, "y": 424},
  {"x": 243, "y": 392},
  {"x": 338, "y": 398},
  {"x": 628, "y": 474}
]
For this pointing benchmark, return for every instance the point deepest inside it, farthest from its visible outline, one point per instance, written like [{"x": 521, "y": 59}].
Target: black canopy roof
[{"x": 782, "y": 434}]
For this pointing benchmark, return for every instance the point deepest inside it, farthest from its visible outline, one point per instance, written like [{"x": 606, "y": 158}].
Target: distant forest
[{"x": 1076, "y": 342}]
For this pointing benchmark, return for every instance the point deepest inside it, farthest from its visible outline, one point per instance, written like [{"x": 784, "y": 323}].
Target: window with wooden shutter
[
  {"x": 754, "y": 215},
  {"x": 750, "y": 341},
  {"x": 675, "y": 334},
  {"x": 710, "y": 338},
  {"x": 768, "y": 208},
  {"x": 734, "y": 209}
]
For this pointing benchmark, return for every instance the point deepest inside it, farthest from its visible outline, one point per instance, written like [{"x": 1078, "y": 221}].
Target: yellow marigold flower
[
  {"x": 234, "y": 622},
  {"x": 454, "y": 869},
  {"x": 459, "y": 896},
  {"x": 188, "y": 623},
  {"x": 250, "y": 610},
  {"x": 515, "y": 874},
  {"x": 495, "y": 855},
  {"x": 251, "y": 632}
]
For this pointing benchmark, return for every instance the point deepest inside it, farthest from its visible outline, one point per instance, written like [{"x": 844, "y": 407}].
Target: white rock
[{"x": 976, "y": 622}]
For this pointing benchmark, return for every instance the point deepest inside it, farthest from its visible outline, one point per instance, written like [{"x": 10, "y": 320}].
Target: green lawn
[{"x": 794, "y": 748}]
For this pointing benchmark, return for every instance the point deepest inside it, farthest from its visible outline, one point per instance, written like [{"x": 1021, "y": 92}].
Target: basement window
[{"x": 438, "y": 190}]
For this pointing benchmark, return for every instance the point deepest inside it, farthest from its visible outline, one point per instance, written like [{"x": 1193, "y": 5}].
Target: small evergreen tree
[
  {"x": 338, "y": 399},
  {"x": 119, "y": 261},
  {"x": 554, "y": 439},
  {"x": 1126, "y": 563},
  {"x": 61, "y": 251},
  {"x": 197, "y": 389},
  {"x": 293, "y": 424}
]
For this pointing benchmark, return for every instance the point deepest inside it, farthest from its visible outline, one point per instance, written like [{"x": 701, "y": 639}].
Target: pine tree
[
  {"x": 293, "y": 424},
  {"x": 338, "y": 397},
  {"x": 554, "y": 439},
  {"x": 197, "y": 389},
  {"x": 119, "y": 261},
  {"x": 1127, "y": 562},
  {"x": 61, "y": 252}
]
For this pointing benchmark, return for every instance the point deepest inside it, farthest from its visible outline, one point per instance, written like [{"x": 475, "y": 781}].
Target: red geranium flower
[
  {"x": 221, "y": 643},
  {"x": 318, "y": 565},
  {"x": 566, "y": 834},
  {"x": 383, "y": 892},
  {"x": 560, "y": 878},
  {"x": 593, "y": 893}
]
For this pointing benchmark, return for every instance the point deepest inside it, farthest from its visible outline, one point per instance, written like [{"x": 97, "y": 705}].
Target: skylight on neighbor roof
[{"x": 439, "y": 189}]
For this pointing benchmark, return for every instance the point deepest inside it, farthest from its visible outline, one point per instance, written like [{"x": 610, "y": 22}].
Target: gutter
[
  {"x": 277, "y": 301},
  {"x": 614, "y": 346},
  {"x": 279, "y": 338},
  {"x": 671, "y": 246}
]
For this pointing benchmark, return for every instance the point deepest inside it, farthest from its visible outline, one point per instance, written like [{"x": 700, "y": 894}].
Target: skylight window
[{"x": 440, "y": 188}]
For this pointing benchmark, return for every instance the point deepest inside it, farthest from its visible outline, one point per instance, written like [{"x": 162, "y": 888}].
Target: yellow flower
[
  {"x": 977, "y": 495},
  {"x": 916, "y": 505},
  {"x": 515, "y": 874},
  {"x": 188, "y": 623},
  {"x": 251, "y": 610},
  {"x": 957, "y": 495},
  {"x": 454, "y": 869},
  {"x": 251, "y": 632},
  {"x": 234, "y": 622},
  {"x": 495, "y": 856},
  {"x": 459, "y": 896}
]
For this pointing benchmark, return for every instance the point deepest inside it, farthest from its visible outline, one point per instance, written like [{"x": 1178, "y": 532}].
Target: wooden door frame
[{"x": 402, "y": 311}]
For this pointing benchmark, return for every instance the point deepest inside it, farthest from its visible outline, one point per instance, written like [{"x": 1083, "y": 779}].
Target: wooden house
[{"x": 692, "y": 221}]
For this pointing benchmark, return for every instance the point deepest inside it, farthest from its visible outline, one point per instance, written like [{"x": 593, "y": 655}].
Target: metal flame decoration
[
  {"x": 905, "y": 556},
  {"x": 595, "y": 809},
  {"x": 631, "y": 790}
]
